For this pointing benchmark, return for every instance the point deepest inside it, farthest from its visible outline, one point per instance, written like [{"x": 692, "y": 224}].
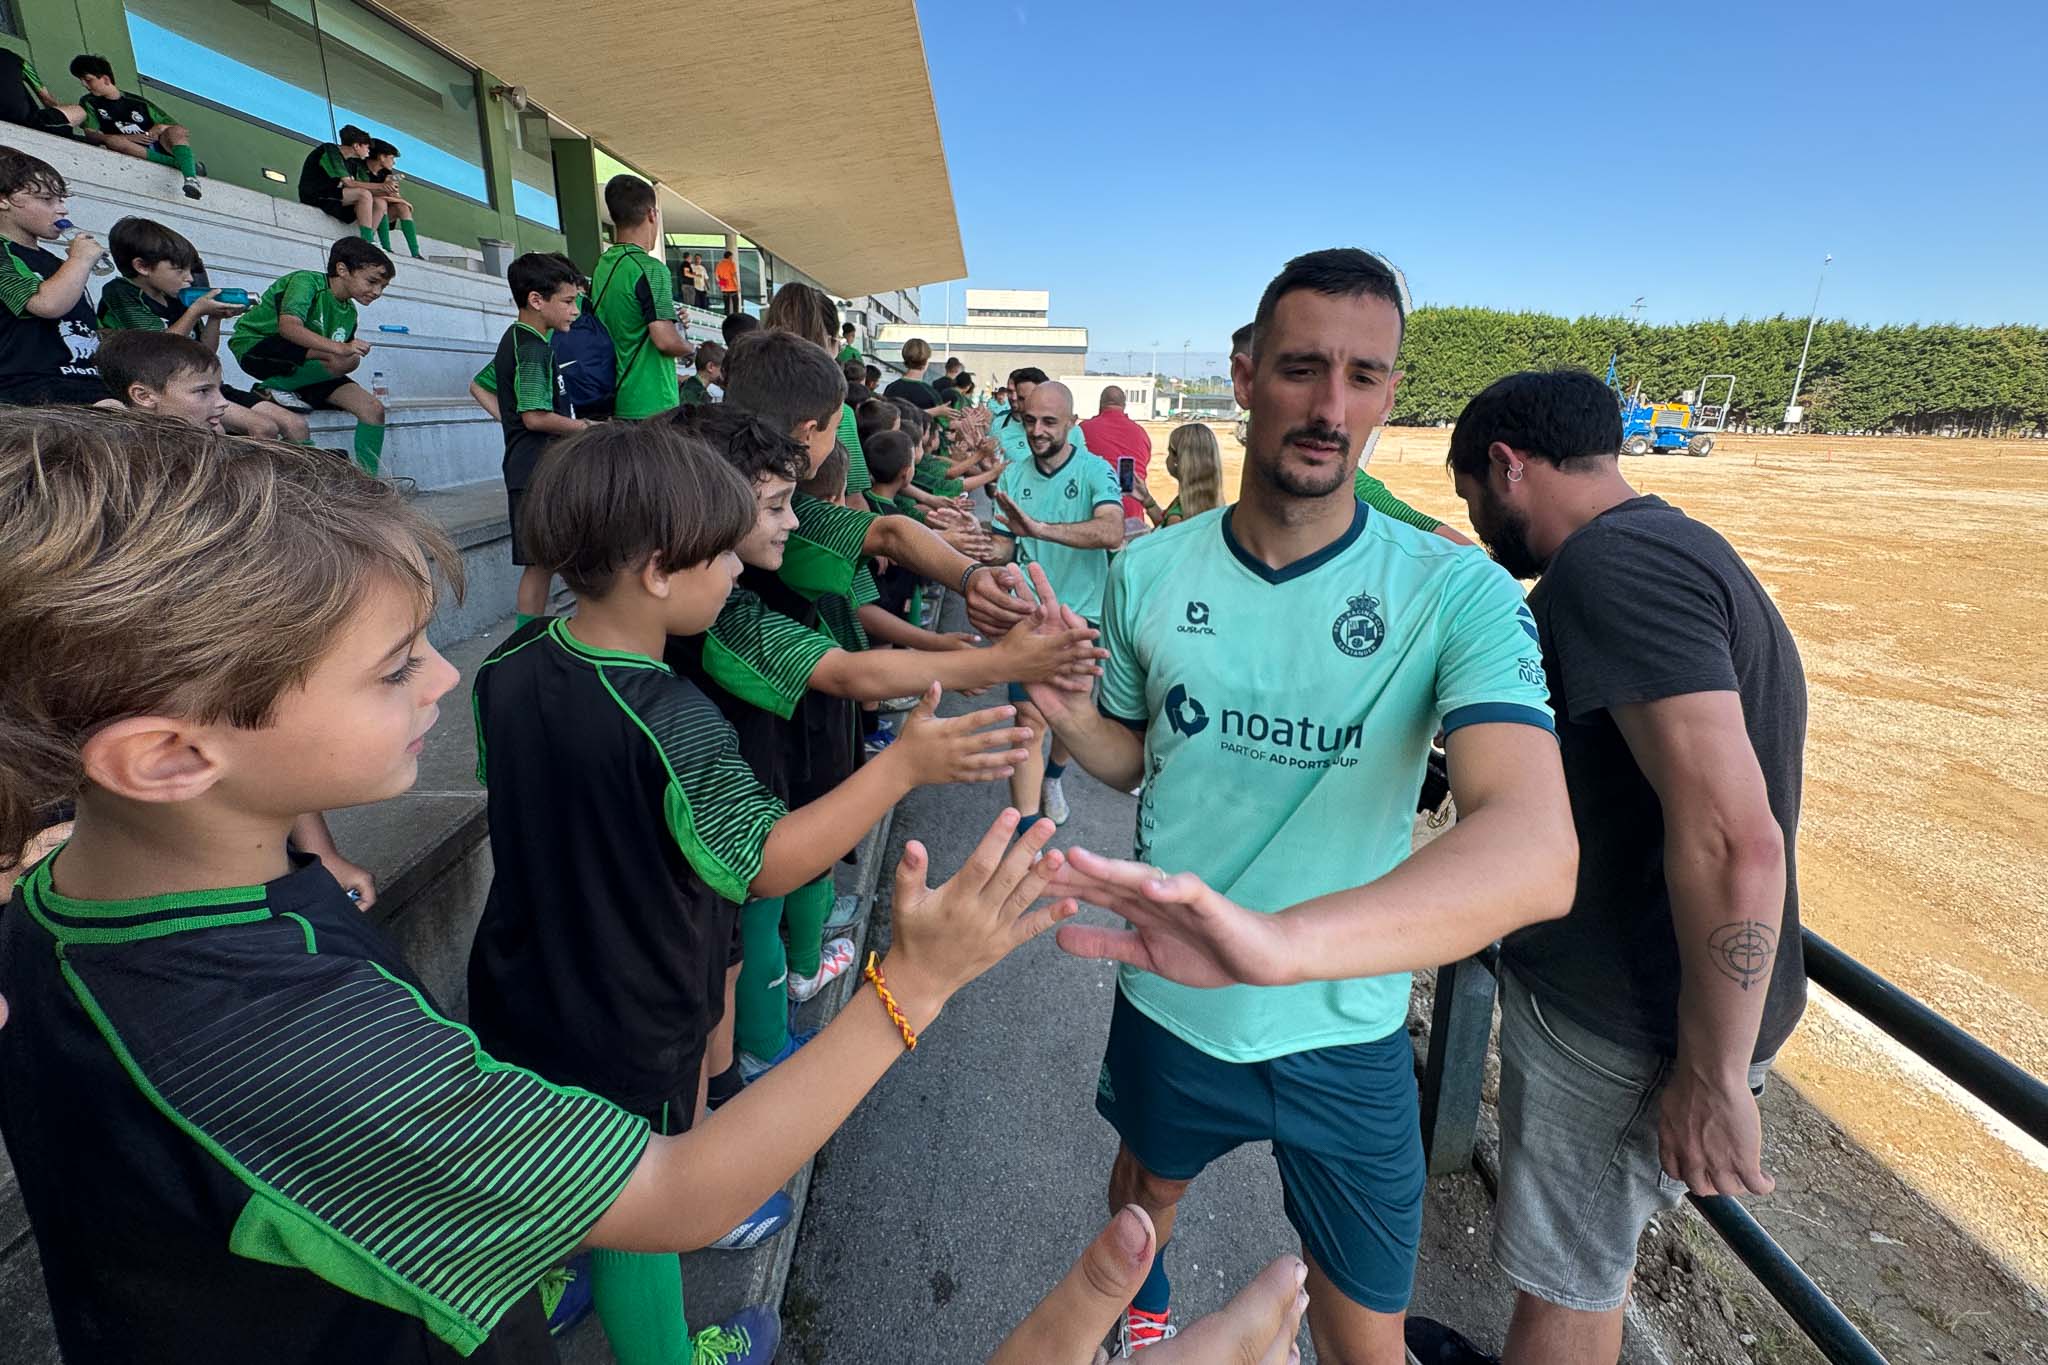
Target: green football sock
[
  {"x": 159, "y": 156},
  {"x": 369, "y": 445},
  {"x": 183, "y": 153},
  {"x": 384, "y": 233},
  {"x": 365, "y": 233},
  {"x": 412, "y": 238},
  {"x": 761, "y": 1003},
  {"x": 639, "y": 1299},
  {"x": 805, "y": 911}
]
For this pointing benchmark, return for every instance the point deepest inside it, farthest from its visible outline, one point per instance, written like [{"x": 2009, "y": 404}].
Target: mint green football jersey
[
  {"x": 1288, "y": 716},
  {"x": 1009, "y": 433},
  {"x": 1071, "y": 492}
]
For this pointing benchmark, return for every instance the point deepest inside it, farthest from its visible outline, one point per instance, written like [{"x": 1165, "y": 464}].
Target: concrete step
[
  {"x": 474, "y": 516},
  {"x": 438, "y": 443}
]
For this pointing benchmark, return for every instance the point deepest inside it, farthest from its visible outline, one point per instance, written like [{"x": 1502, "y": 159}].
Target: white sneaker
[
  {"x": 833, "y": 961},
  {"x": 1053, "y": 802},
  {"x": 191, "y": 187}
]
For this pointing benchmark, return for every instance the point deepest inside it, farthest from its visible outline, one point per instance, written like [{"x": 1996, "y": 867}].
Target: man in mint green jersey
[
  {"x": 1059, "y": 508},
  {"x": 1276, "y": 672}
]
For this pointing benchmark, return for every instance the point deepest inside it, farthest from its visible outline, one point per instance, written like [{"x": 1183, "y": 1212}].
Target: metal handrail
[{"x": 1461, "y": 1022}]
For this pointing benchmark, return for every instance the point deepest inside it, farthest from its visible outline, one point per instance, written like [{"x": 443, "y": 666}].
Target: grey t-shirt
[{"x": 1640, "y": 604}]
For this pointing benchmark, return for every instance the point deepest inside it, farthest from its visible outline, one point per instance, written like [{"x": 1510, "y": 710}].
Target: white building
[
  {"x": 1141, "y": 399},
  {"x": 1005, "y": 330}
]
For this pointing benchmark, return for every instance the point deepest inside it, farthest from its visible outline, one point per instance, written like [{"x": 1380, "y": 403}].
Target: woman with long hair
[
  {"x": 1196, "y": 463},
  {"x": 806, "y": 311}
]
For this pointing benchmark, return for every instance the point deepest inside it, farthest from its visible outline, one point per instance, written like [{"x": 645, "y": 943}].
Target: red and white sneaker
[{"x": 1141, "y": 1329}]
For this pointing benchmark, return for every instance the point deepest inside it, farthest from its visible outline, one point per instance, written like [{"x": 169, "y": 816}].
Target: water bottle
[
  {"x": 378, "y": 386},
  {"x": 66, "y": 230}
]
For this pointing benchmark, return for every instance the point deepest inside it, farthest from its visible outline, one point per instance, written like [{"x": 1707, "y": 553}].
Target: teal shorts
[{"x": 1343, "y": 1121}]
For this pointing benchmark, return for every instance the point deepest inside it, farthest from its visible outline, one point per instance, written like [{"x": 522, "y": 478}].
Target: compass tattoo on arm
[{"x": 1743, "y": 950}]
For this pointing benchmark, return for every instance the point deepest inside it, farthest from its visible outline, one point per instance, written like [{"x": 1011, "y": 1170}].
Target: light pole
[{"x": 1793, "y": 412}]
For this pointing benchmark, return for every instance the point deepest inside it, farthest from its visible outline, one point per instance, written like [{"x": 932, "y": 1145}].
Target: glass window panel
[
  {"x": 533, "y": 172},
  {"x": 405, "y": 92},
  {"x": 258, "y": 60}
]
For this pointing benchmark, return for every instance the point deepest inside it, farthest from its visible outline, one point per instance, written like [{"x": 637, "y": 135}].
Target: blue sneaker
[
  {"x": 565, "y": 1294},
  {"x": 771, "y": 1218},
  {"x": 748, "y": 1337},
  {"x": 879, "y": 740},
  {"x": 753, "y": 1068}
]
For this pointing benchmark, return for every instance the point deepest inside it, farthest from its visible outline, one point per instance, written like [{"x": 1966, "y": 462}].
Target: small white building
[
  {"x": 1005, "y": 330},
  {"x": 1141, "y": 397}
]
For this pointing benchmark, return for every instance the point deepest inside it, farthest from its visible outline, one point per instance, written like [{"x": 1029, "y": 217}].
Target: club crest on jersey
[
  {"x": 1358, "y": 629},
  {"x": 1072, "y": 488}
]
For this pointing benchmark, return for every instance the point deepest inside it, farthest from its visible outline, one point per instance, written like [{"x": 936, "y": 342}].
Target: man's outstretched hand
[
  {"x": 1259, "y": 1327},
  {"x": 1180, "y": 927}
]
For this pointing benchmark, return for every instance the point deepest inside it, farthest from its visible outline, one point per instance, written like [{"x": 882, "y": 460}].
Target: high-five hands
[
  {"x": 1259, "y": 1327},
  {"x": 1180, "y": 927}
]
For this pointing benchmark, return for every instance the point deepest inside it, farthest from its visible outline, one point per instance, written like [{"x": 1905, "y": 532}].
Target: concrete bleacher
[{"x": 452, "y": 312}]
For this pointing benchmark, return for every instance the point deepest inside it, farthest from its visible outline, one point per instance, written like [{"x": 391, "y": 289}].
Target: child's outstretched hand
[
  {"x": 1043, "y": 649},
  {"x": 958, "y": 748},
  {"x": 945, "y": 936}
]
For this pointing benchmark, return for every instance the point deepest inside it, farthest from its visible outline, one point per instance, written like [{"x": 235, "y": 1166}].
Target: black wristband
[{"x": 971, "y": 568}]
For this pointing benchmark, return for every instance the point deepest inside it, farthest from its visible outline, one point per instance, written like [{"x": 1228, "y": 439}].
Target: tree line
[{"x": 1942, "y": 379}]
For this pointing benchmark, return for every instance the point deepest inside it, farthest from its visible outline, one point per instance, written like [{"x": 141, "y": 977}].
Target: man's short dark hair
[
  {"x": 1557, "y": 416},
  {"x": 605, "y": 499},
  {"x": 21, "y": 172},
  {"x": 144, "y": 239},
  {"x": 874, "y": 417},
  {"x": 352, "y": 136},
  {"x": 1344, "y": 272},
  {"x": 783, "y": 379},
  {"x": 357, "y": 254},
  {"x": 1030, "y": 374},
  {"x": 91, "y": 64},
  {"x": 379, "y": 147},
  {"x": 542, "y": 273},
  {"x": 151, "y": 359},
  {"x": 1241, "y": 339},
  {"x": 738, "y": 325},
  {"x": 629, "y": 200},
  {"x": 753, "y": 448},
  {"x": 888, "y": 455}
]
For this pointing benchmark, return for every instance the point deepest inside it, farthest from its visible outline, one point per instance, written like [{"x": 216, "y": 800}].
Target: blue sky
[{"x": 1153, "y": 162}]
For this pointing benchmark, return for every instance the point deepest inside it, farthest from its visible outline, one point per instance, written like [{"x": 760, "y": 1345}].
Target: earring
[{"x": 1514, "y": 474}]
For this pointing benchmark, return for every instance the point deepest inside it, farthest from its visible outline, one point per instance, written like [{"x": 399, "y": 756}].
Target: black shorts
[
  {"x": 280, "y": 365},
  {"x": 53, "y": 390},
  {"x": 241, "y": 398},
  {"x": 331, "y": 205},
  {"x": 515, "y": 499}
]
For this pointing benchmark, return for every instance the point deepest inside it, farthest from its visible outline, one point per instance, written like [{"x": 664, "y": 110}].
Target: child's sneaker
[
  {"x": 1053, "y": 801},
  {"x": 752, "y": 1068},
  {"x": 771, "y": 1218},
  {"x": 879, "y": 740},
  {"x": 833, "y": 960},
  {"x": 565, "y": 1294},
  {"x": 1141, "y": 1329},
  {"x": 845, "y": 913},
  {"x": 895, "y": 705},
  {"x": 192, "y": 187},
  {"x": 1432, "y": 1343},
  {"x": 749, "y": 1337}
]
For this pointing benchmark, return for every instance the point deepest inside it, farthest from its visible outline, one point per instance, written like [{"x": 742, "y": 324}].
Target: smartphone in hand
[{"x": 1126, "y": 474}]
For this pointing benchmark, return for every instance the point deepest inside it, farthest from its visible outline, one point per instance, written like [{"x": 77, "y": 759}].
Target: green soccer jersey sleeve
[
  {"x": 18, "y": 284},
  {"x": 825, "y": 547},
  {"x": 717, "y": 810},
  {"x": 486, "y": 378},
  {"x": 656, "y": 291},
  {"x": 1375, "y": 495},
  {"x": 761, "y": 656},
  {"x": 533, "y": 379},
  {"x": 333, "y": 163},
  {"x": 1121, "y": 693},
  {"x": 858, "y": 480},
  {"x": 123, "y": 309},
  {"x": 1489, "y": 662}
]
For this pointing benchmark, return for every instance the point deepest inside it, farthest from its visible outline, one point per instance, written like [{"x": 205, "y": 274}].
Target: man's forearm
[
  {"x": 1727, "y": 907},
  {"x": 1112, "y": 752},
  {"x": 1093, "y": 534},
  {"x": 1446, "y": 902},
  {"x": 903, "y": 540}
]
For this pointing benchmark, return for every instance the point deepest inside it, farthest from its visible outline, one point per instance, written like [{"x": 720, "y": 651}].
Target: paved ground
[{"x": 965, "y": 1184}]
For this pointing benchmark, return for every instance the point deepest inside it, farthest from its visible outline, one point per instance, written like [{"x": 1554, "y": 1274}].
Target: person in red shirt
[{"x": 1113, "y": 435}]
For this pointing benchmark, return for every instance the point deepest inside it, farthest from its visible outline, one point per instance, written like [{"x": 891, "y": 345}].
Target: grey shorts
[{"x": 1580, "y": 1175}]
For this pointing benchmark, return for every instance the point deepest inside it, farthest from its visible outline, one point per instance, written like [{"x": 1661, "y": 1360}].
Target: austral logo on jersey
[
  {"x": 1288, "y": 741},
  {"x": 1198, "y": 620},
  {"x": 1359, "y": 629}
]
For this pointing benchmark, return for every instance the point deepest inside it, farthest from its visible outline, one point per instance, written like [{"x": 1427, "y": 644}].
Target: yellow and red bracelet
[{"x": 873, "y": 974}]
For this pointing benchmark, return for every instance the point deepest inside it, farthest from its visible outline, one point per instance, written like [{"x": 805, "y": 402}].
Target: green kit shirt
[
  {"x": 630, "y": 289},
  {"x": 824, "y": 550},
  {"x": 524, "y": 377},
  {"x": 858, "y": 480},
  {"x": 303, "y": 294},
  {"x": 1071, "y": 492},
  {"x": 1288, "y": 716},
  {"x": 1009, "y": 433}
]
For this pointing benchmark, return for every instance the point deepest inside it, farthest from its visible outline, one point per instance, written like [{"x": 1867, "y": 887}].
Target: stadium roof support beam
[{"x": 755, "y": 132}]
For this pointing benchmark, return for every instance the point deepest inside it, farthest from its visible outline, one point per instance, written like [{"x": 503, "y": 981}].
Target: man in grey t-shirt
[{"x": 1636, "y": 1031}]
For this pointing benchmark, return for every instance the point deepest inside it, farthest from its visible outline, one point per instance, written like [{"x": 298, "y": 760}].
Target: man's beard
[
  {"x": 1506, "y": 538},
  {"x": 1053, "y": 445},
  {"x": 1274, "y": 472}
]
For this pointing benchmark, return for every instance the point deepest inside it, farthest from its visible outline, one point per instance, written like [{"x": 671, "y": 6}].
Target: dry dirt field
[{"x": 1903, "y": 567}]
